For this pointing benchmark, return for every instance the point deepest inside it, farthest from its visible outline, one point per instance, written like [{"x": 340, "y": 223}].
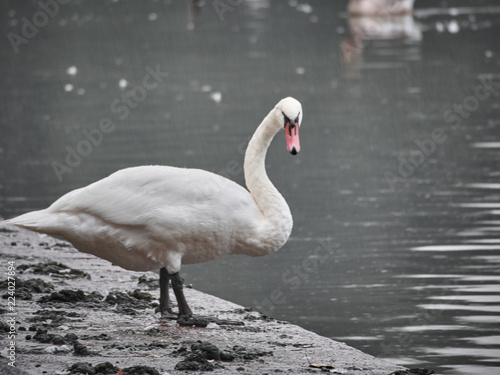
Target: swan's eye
[
  {"x": 297, "y": 119},
  {"x": 287, "y": 120}
]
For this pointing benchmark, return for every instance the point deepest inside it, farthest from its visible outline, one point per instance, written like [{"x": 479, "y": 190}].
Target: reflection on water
[{"x": 407, "y": 271}]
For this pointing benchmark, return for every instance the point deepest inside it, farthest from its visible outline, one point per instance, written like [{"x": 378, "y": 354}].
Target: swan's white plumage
[
  {"x": 148, "y": 217},
  {"x": 379, "y": 7},
  {"x": 140, "y": 214}
]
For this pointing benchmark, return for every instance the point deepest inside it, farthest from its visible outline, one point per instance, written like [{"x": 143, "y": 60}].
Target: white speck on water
[
  {"x": 453, "y": 12},
  {"x": 80, "y": 91},
  {"x": 253, "y": 39},
  {"x": 345, "y": 192},
  {"x": 68, "y": 87},
  {"x": 340, "y": 30},
  {"x": 488, "y": 54},
  {"x": 152, "y": 16},
  {"x": 300, "y": 70},
  {"x": 118, "y": 61},
  {"x": 453, "y": 27},
  {"x": 440, "y": 27},
  {"x": 72, "y": 70},
  {"x": 206, "y": 88},
  {"x": 314, "y": 19},
  {"x": 305, "y": 8},
  {"x": 122, "y": 83},
  {"x": 414, "y": 90},
  {"x": 216, "y": 96}
]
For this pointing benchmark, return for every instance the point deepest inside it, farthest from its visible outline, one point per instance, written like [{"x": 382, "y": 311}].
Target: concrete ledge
[{"x": 127, "y": 335}]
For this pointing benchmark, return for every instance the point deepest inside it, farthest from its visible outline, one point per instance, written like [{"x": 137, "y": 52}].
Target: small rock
[
  {"x": 206, "y": 350},
  {"x": 106, "y": 368},
  {"x": 44, "y": 337},
  {"x": 152, "y": 283},
  {"x": 226, "y": 356},
  {"x": 194, "y": 362},
  {"x": 58, "y": 340},
  {"x": 54, "y": 269},
  {"x": 82, "y": 368},
  {"x": 145, "y": 296},
  {"x": 140, "y": 370},
  {"x": 81, "y": 349},
  {"x": 65, "y": 295},
  {"x": 414, "y": 371},
  {"x": 71, "y": 338},
  {"x": 4, "y": 327}
]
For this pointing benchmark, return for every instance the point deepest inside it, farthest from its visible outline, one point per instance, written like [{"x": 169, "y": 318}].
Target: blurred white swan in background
[
  {"x": 372, "y": 20},
  {"x": 379, "y": 7}
]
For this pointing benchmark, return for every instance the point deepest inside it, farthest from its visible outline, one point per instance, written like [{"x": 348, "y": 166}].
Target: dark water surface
[{"x": 395, "y": 194}]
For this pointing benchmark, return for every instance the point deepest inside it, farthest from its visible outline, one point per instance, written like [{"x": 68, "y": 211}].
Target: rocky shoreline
[{"x": 77, "y": 314}]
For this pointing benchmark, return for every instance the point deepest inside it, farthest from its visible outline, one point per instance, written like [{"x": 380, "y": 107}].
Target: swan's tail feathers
[{"x": 38, "y": 221}]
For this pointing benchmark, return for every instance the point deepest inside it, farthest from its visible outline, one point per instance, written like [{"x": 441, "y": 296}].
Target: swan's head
[{"x": 289, "y": 112}]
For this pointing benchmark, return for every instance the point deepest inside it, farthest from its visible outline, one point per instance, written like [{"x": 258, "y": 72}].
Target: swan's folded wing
[{"x": 137, "y": 196}]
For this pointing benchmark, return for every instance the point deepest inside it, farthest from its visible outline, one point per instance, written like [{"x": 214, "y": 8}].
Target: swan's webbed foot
[
  {"x": 166, "y": 313},
  {"x": 203, "y": 321}
]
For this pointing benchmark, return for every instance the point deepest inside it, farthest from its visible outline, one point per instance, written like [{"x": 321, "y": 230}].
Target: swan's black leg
[
  {"x": 186, "y": 317},
  {"x": 177, "y": 284},
  {"x": 165, "y": 308}
]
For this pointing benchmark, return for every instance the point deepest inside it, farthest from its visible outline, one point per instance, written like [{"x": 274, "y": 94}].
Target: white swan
[
  {"x": 151, "y": 217},
  {"x": 379, "y": 7}
]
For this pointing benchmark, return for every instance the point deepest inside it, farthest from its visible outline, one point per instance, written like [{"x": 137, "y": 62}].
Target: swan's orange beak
[{"x": 292, "y": 138}]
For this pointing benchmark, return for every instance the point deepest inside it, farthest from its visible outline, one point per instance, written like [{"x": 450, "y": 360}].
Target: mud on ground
[{"x": 77, "y": 314}]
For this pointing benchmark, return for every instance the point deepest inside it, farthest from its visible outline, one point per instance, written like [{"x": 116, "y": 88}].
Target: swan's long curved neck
[{"x": 277, "y": 217}]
